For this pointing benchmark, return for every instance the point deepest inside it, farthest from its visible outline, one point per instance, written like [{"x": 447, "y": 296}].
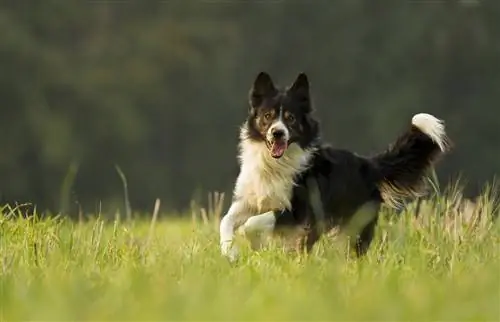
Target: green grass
[{"x": 443, "y": 266}]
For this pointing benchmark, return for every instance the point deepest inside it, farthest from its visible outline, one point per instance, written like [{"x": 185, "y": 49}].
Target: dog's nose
[{"x": 278, "y": 134}]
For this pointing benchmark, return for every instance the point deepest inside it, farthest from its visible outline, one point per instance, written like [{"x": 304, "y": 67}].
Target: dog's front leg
[
  {"x": 263, "y": 223},
  {"x": 258, "y": 227},
  {"x": 228, "y": 224}
]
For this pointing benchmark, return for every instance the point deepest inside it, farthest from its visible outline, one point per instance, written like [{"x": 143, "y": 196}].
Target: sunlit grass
[{"x": 442, "y": 265}]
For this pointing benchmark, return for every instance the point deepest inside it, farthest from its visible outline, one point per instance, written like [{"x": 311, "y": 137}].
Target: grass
[{"x": 442, "y": 265}]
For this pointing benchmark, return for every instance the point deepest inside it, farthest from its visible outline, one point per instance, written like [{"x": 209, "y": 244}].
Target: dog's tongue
[{"x": 278, "y": 149}]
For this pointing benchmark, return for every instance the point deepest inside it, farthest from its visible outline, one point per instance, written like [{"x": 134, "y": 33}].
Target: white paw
[{"x": 229, "y": 250}]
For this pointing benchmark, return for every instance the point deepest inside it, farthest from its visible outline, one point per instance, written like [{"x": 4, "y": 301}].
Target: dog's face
[{"x": 280, "y": 117}]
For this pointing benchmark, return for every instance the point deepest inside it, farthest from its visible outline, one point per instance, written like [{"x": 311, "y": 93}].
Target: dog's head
[{"x": 280, "y": 117}]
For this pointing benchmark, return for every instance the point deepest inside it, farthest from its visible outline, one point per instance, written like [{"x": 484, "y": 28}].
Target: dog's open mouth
[{"x": 277, "y": 148}]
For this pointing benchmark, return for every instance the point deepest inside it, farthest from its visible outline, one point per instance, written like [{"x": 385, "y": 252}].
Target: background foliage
[{"x": 159, "y": 88}]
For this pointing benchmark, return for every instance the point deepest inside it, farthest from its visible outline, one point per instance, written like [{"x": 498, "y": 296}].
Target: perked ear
[
  {"x": 262, "y": 86},
  {"x": 301, "y": 84},
  {"x": 300, "y": 90}
]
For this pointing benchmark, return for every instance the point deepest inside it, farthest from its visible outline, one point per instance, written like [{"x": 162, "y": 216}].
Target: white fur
[
  {"x": 432, "y": 127},
  {"x": 262, "y": 223},
  {"x": 264, "y": 184},
  {"x": 258, "y": 228},
  {"x": 278, "y": 125},
  {"x": 234, "y": 216}
]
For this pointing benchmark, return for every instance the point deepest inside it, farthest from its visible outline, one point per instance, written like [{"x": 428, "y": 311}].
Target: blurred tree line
[{"x": 160, "y": 88}]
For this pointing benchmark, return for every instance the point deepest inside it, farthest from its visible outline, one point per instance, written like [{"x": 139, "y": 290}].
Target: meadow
[{"x": 440, "y": 264}]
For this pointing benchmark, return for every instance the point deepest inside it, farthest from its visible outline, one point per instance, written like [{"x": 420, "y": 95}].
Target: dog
[{"x": 280, "y": 149}]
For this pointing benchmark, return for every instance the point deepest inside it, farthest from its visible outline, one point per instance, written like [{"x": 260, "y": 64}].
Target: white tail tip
[{"x": 432, "y": 127}]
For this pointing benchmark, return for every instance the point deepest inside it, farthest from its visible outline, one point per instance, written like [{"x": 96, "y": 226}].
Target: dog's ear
[
  {"x": 300, "y": 89},
  {"x": 262, "y": 86},
  {"x": 301, "y": 84}
]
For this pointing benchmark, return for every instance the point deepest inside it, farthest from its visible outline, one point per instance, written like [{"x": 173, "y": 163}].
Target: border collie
[{"x": 280, "y": 149}]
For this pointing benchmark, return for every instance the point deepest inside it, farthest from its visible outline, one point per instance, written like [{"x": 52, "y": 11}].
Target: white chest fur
[{"x": 265, "y": 183}]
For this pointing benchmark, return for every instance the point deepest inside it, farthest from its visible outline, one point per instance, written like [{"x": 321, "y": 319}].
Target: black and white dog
[{"x": 280, "y": 147}]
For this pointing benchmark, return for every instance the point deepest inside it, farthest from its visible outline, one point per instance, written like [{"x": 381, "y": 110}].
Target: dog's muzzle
[{"x": 277, "y": 140}]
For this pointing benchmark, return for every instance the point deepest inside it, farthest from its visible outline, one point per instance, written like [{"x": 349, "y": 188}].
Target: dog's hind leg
[
  {"x": 360, "y": 228},
  {"x": 364, "y": 239},
  {"x": 305, "y": 243}
]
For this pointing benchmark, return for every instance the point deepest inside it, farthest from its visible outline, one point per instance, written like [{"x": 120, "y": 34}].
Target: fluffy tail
[{"x": 404, "y": 165}]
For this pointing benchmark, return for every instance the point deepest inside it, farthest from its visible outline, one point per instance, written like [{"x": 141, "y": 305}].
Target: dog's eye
[
  {"x": 267, "y": 116},
  {"x": 290, "y": 118}
]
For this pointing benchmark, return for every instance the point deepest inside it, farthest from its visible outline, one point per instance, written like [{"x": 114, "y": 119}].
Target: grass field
[{"x": 443, "y": 265}]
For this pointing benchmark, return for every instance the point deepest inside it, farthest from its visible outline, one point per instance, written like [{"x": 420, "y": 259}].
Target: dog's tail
[{"x": 404, "y": 164}]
